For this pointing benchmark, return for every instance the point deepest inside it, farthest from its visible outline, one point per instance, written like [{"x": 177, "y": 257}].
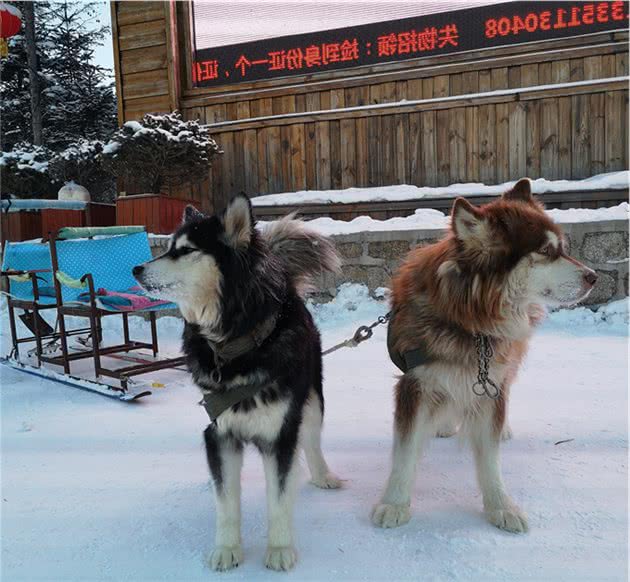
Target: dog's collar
[
  {"x": 218, "y": 402},
  {"x": 227, "y": 351}
]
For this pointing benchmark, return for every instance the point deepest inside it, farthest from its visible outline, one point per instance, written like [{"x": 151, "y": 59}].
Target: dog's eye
[
  {"x": 180, "y": 251},
  {"x": 545, "y": 251}
]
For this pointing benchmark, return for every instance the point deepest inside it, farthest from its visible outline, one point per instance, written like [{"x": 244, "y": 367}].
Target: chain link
[
  {"x": 484, "y": 386},
  {"x": 363, "y": 333}
]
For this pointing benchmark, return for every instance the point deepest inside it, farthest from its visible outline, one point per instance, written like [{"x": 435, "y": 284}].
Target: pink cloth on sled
[{"x": 137, "y": 301}]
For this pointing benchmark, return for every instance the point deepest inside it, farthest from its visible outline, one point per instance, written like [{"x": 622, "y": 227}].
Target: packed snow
[
  {"x": 429, "y": 218},
  {"x": 398, "y": 193},
  {"x": 95, "y": 489}
]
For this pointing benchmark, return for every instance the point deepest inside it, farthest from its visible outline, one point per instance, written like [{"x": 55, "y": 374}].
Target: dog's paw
[
  {"x": 281, "y": 558},
  {"x": 506, "y": 433},
  {"x": 511, "y": 519},
  {"x": 445, "y": 433},
  {"x": 446, "y": 430},
  {"x": 327, "y": 481},
  {"x": 226, "y": 557},
  {"x": 389, "y": 515}
]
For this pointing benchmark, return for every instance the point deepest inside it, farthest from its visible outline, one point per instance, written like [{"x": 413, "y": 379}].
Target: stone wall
[{"x": 372, "y": 257}]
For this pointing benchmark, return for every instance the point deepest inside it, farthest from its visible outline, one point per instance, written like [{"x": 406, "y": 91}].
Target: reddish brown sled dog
[{"x": 463, "y": 312}]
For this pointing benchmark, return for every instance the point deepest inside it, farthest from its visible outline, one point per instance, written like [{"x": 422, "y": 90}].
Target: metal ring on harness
[
  {"x": 362, "y": 334},
  {"x": 216, "y": 376}
]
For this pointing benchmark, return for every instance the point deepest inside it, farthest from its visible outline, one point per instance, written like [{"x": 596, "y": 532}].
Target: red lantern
[{"x": 10, "y": 22}]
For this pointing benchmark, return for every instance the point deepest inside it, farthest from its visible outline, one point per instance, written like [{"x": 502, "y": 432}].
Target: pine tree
[
  {"x": 15, "y": 99},
  {"x": 81, "y": 104},
  {"x": 77, "y": 95}
]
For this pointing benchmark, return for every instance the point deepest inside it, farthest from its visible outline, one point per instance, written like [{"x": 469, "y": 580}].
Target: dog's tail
[{"x": 304, "y": 252}]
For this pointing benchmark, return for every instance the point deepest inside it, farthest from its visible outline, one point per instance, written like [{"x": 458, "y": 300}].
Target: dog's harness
[
  {"x": 218, "y": 402},
  {"x": 408, "y": 360},
  {"x": 420, "y": 356}
]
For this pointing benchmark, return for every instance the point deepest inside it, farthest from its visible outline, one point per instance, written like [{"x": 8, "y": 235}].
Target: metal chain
[
  {"x": 484, "y": 386},
  {"x": 363, "y": 333}
]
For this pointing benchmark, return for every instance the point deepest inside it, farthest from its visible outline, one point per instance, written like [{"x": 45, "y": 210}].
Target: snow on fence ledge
[
  {"x": 406, "y": 192},
  {"x": 371, "y": 254}
]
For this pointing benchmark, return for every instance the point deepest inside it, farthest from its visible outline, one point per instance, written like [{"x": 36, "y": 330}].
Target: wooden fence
[{"x": 570, "y": 130}]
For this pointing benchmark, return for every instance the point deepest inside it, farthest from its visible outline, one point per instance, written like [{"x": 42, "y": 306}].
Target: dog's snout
[
  {"x": 137, "y": 270},
  {"x": 590, "y": 277}
]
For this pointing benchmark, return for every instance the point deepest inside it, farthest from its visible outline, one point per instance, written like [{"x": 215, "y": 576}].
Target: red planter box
[
  {"x": 17, "y": 226},
  {"x": 30, "y": 224},
  {"x": 95, "y": 214},
  {"x": 159, "y": 213}
]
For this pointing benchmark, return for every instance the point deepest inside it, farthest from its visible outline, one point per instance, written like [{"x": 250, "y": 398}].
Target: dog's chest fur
[
  {"x": 258, "y": 418},
  {"x": 283, "y": 367}
]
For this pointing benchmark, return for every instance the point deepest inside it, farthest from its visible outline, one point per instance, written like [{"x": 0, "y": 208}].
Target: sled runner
[{"x": 128, "y": 395}]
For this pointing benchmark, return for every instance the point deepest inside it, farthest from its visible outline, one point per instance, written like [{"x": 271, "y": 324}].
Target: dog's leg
[
  {"x": 311, "y": 437},
  {"x": 281, "y": 475},
  {"x": 412, "y": 428},
  {"x": 485, "y": 431},
  {"x": 225, "y": 458}
]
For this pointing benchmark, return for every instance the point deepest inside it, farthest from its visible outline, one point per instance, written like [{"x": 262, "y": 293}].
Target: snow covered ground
[{"x": 95, "y": 489}]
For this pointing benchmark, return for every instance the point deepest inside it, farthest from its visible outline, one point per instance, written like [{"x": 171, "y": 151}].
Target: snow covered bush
[
  {"x": 161, "y": 150},
  {"x": 24, "y": 172},
  {"x": 82, "y": 163}
]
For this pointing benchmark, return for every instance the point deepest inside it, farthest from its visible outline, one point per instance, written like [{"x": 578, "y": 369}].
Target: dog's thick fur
[
  {"x": 227, "y": 278},
  {"x": 492, "y": 274}
]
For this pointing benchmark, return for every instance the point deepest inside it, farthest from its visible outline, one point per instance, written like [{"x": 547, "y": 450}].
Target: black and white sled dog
[{"x": 254, "y": 351}]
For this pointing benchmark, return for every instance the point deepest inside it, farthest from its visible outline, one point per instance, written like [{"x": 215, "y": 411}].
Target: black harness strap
[
  {"x": 218, "y": 402},
  {"x": 408, "y": 360}
]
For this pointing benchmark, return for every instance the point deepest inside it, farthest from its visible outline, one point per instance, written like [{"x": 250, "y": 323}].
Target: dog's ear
[
  {"x": 468, "y": 221},
  {"x": 238, "y": 221},
  {"x": 521, "y": 191},
  {"x": 191, "y": 213}
]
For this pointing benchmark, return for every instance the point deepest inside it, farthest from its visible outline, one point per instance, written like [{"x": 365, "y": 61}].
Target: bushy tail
[{"x": 304, "y": 252}]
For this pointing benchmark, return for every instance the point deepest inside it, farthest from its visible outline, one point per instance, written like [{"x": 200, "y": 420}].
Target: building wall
[
  {"x": 141, "y": 38},
  {"x": 554, "y": 109}
]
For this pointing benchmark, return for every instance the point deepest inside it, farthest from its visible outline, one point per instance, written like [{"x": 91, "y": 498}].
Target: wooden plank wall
[
  {"x": 566, "y": 133},
  {"x": 559, "y": 132},
  {"x": 144, "y": 79}
]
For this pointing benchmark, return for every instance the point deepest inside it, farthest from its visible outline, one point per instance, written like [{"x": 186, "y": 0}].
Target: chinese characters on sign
[
  {"x": 414, "y": 42},
  {"x": 294, "y": 59},
  {"x": 433, "y": 34},
  {"x": 320, "y": 55}
]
